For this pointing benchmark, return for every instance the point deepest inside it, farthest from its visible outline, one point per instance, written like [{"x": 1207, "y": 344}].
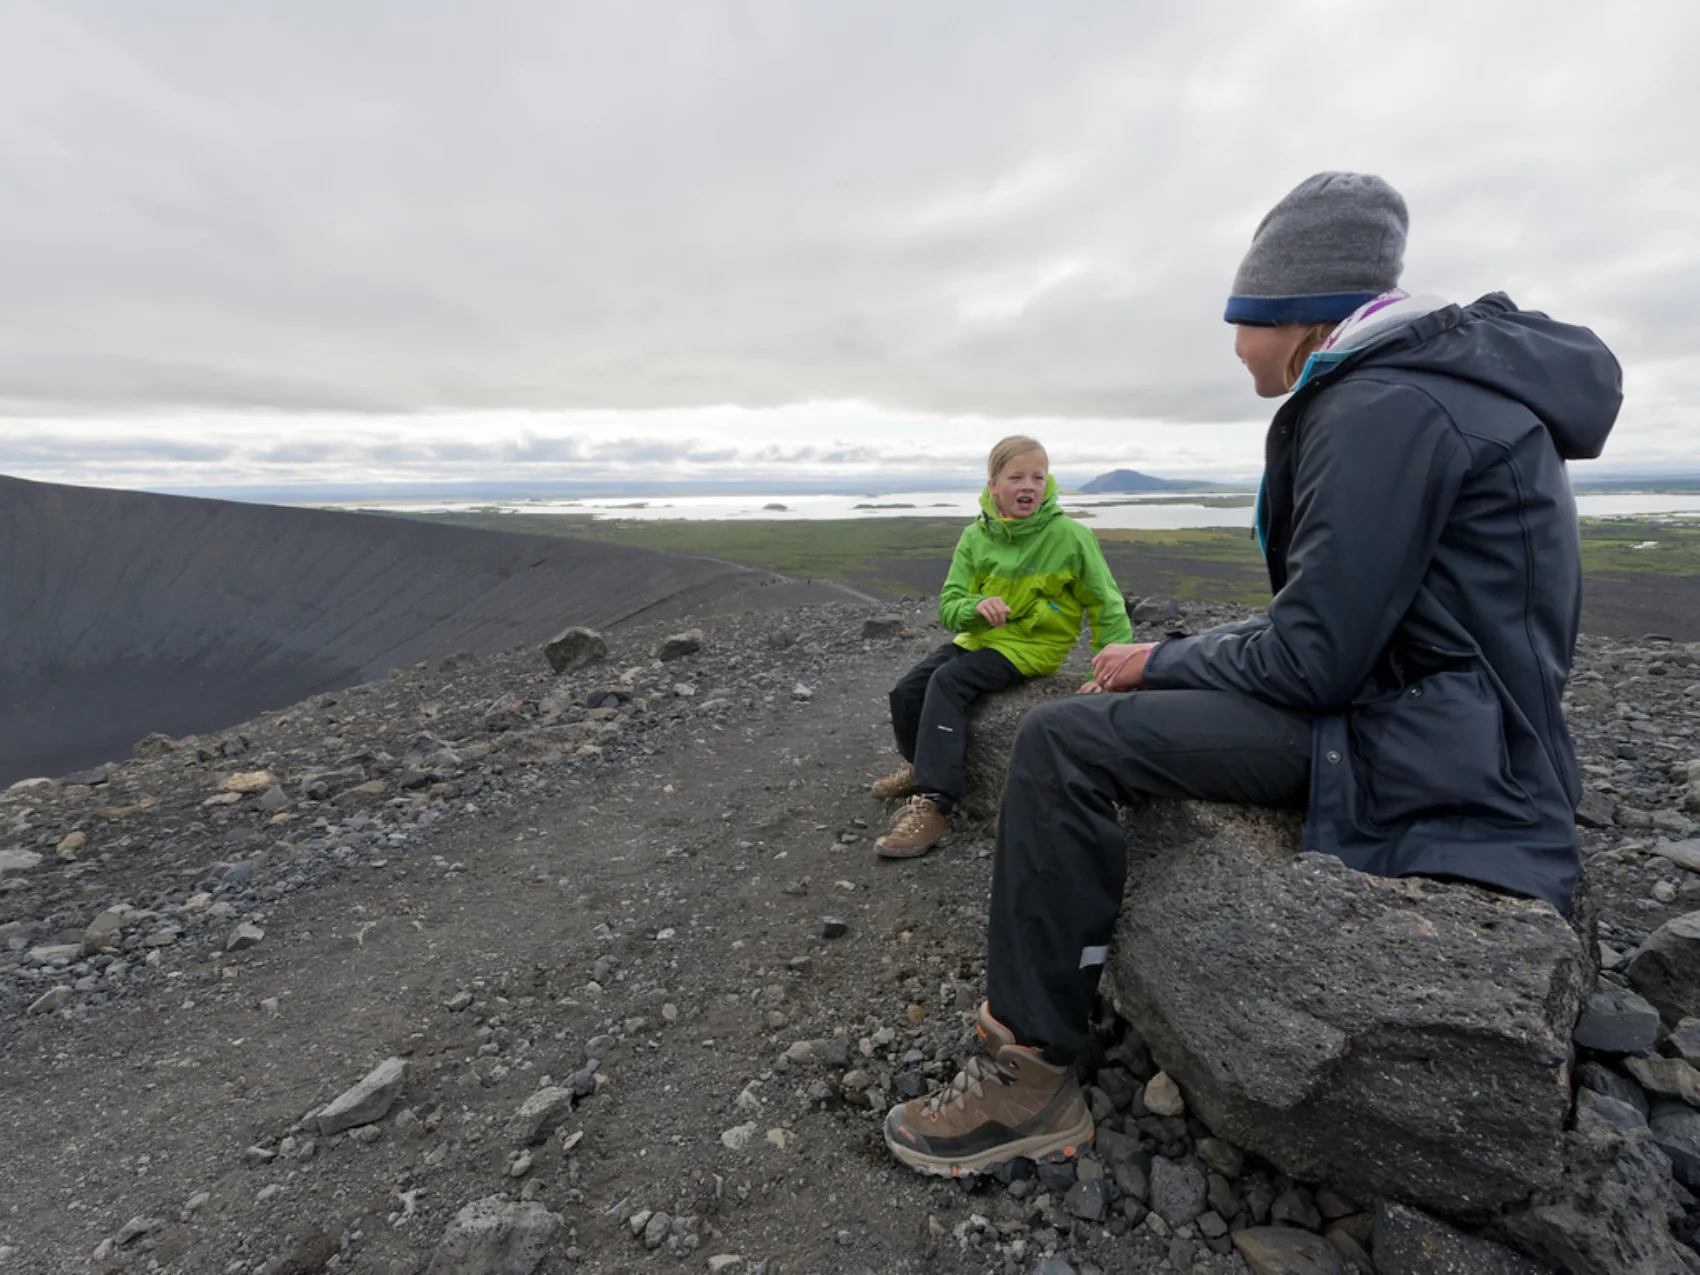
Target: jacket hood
[
  {"x": 1048, "y": 509},
  {"x": 1562, "y": 373}
]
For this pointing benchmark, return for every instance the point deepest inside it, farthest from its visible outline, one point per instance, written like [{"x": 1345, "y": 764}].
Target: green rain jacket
[{"x": 1048, "y": 569}]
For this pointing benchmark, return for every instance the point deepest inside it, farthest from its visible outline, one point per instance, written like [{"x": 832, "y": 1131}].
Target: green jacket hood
[{"x": 1018, "y": 528}]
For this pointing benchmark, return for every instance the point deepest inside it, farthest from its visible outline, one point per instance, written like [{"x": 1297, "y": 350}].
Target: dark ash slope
[{"x": 124, "y": 613}]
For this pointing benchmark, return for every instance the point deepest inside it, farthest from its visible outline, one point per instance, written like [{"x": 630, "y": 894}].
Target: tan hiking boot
[
  {"x": 1006, "y": 1103},
  {"x": 898, "y": 784},
  {"x": 917, "y": 829}
]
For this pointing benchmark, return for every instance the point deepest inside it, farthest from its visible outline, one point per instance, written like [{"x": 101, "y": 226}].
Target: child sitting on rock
[{"x": 1021, "y": 576}]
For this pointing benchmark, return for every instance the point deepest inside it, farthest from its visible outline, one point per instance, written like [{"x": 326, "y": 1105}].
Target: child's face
[{"x": 1020, "y": 485}]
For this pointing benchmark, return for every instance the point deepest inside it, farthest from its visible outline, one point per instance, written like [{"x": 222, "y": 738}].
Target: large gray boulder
[
  {"x": 992, "y": 723},
  {"x": 1400, "y": 1037}
]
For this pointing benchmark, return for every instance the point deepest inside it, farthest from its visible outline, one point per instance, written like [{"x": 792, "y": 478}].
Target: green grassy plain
[{"x": 1215, "y": 564}]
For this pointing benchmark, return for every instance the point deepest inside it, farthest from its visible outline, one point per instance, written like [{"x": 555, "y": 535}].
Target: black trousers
[
  {"x": 929, "y": 714},
  {"x": 1062, "y": 855}
]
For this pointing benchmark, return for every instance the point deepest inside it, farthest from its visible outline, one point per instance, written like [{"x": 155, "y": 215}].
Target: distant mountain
[{"x": 1125, "y": 481}]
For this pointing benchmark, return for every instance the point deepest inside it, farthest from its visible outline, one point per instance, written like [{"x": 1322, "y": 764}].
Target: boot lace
[
  {"x": 974, "y": 1076},
  {"x": 916, "y": 811}
]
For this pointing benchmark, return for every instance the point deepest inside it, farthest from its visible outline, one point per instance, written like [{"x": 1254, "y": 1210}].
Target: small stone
[
  {"x": 1222, "y": 1156},
  {"x": 53, "y": 999},
  {"x": 243, "y": 937},
  {"x": 781, "y": 1138},
  {"x": 137, "y": 1227},
  {"x": 833, "y": 927},
  {"x": 1676, "y": 1131},
  {"x": 1178, "y": 1190},
  {"x": 679, "y": 645},
  {"x": 19, "y": 860},
  {"x": 723, "y": 1262},
  {"x": 1088, "y": 1200},
  {"x": 1163, "y": 1096},
  {"x": 1603, "y": 1080},
  {"x": 103, "y": 932},
  {"x": 540, "y": 1115},
  {"x": 165, "y": 936},
  {"x": 1667, "y": 1077},
  {"x": 574, "y": 648},
  {"x": 249, "y": 782},
  {"x": 1296, "y": 1208},
  {"x": 1664, "y": 892},
  {"x": 365, "y": 1102},
  {"x": 71, "y": 845},
  {"x": 1595, "y": 1110},
  {"x": 493, "y": 1236},
  {"x": 274, "y": 800},
  {"x": 802, "y": 692},
  {"x": 656, "y": 1230},
  {"x": 1685, "y": 1039},
  {"x": 1281, "y": 1250},
  {"x": 458, "y": 1002},
  {"x": 1666, "y": 968},
  {"x": 1617, "y": 1021},
  {"x": 880, "y": 627},
  {"x": 738, "y": 1137}
]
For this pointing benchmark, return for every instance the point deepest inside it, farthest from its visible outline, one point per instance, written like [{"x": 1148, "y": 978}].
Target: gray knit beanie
[{"x": 1334, "y": 243}]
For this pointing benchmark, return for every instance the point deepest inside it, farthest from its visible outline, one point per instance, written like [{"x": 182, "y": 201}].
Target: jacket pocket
[{"x": 1437, "y": 749}]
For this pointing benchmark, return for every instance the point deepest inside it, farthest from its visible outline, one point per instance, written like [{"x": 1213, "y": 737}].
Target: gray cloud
[{"x": 960, "y": 211}]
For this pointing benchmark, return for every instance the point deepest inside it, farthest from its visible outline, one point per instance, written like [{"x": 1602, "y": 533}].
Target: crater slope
[{"x": 124, "y": 613}]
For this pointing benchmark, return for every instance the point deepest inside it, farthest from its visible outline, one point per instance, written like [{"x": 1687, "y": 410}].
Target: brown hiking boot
[
  {"x": 917, "y": 829},
  {"x": 898, "y": 784},
  {"x": 1006, "y": 1103}
]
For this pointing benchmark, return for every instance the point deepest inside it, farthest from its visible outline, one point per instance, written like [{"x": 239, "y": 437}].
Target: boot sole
[
  {"x": 1054, "y": 1147},
  {"x": 908, "y": 852}
]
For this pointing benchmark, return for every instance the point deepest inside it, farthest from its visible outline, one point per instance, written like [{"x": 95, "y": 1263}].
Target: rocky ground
[{"x": 624, "y": 931}]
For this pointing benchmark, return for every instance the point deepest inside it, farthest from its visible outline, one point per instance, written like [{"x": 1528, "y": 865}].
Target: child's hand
[
  {"x": 994, "y": 611},
  {"x": 1090, "y": 688}
]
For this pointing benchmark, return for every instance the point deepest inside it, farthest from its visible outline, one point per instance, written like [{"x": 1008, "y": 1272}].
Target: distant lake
[{"x": 1162, "y": 511}]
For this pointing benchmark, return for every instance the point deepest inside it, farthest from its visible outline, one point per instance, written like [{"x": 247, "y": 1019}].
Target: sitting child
[{"x": 1021, "y": 576}]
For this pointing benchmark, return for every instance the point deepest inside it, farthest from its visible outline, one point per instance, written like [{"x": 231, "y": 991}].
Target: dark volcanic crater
[{"x": 124, "y": 613}]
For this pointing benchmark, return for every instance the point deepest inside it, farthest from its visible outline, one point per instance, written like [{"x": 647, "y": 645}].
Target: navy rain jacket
[{"x": 1426, "y": 561}]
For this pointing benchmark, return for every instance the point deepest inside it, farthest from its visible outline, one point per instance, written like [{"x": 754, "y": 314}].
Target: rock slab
[
  {"x": 494, "y": 1236},
  {"x": 1410, "y": 1242},
  {"x": 1283, "y": 1250},
  {"x": 367, "y": 1101},
  {"x": 1408, "y": 1037}
]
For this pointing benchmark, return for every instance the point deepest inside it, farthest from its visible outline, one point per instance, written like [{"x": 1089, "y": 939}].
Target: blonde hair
[
  {"x": 1309, "y": 344},
  {"x": 1007, "y": 449}
]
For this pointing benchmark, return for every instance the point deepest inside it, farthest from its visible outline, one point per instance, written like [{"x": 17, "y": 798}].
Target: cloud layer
[{"x": 290, "y": 239}]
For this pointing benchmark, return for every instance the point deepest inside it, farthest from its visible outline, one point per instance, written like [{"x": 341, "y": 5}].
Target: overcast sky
[{"x": 352, "y": 240}]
